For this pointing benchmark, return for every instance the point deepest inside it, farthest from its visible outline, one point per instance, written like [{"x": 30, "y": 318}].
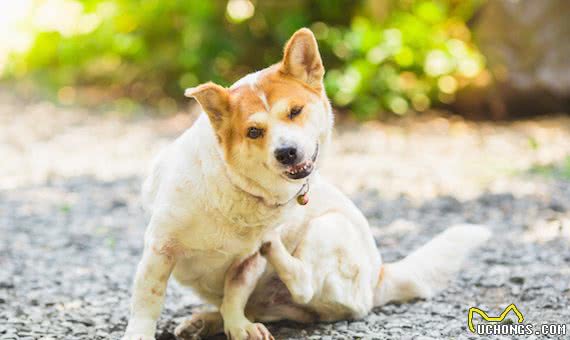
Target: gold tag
[{"x": 303, "y": 199}]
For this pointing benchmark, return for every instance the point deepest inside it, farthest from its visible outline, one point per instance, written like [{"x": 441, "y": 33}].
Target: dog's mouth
[{"x": 304, "y": 169}]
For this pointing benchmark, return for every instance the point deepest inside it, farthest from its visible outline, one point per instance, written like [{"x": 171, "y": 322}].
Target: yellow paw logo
[{"x": 486, "y": 317}]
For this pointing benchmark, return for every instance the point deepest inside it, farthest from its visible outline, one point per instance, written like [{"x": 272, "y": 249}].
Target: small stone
[
  {"x": 9, "y": 337},
  {"x": 519, "y": 280},
  {"x": 166, "y": 336}
]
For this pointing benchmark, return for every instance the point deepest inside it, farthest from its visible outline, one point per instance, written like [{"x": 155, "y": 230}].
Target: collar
[{"x": 301, "y": 196}]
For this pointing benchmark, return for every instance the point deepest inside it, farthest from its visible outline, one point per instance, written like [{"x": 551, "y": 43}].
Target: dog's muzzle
[{"x": 303, "y": 169}]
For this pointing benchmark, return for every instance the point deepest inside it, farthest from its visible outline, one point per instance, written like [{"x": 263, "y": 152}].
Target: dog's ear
[
  {"x": 213, "y": 98},
  {"x": 302, "y": 60}
]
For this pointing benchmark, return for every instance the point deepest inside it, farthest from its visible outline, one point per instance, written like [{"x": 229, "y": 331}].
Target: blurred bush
[{"x": 382, "y": 56}]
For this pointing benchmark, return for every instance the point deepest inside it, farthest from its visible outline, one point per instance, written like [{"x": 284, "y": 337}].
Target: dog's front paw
[
  {"x": 248, "y": 331},
  {"x": 138, "y": 336}
]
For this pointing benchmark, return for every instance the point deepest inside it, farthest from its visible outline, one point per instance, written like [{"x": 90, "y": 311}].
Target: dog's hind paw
[
  {"x": 199, "y": 325},
  {"x": 190, "y": 329}
]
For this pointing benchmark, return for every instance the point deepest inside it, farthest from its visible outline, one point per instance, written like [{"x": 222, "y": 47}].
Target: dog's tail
[{"x": 428, "y": 269}]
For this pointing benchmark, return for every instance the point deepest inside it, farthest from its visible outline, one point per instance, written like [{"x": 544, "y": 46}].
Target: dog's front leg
[
  {"x": 149, "y": 288},
  {"x": 241, "y": 278}
]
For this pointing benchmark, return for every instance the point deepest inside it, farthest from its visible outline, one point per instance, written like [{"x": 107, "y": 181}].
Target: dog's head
[{"x": 271, "y": 124}]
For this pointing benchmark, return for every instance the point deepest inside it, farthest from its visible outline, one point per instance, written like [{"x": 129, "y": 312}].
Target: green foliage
[
  {"x": 559, "y": 170},
  {"x": 391, "y": 55},
  {"x": 419, "y": 53}
]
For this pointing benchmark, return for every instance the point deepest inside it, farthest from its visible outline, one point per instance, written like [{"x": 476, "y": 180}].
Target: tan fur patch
[
  {"x": 156, "y": 291},
  {"x": 246, "y": 100}
]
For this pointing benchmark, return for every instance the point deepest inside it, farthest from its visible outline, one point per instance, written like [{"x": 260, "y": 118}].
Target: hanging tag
[{"x": 303, "y": 199}]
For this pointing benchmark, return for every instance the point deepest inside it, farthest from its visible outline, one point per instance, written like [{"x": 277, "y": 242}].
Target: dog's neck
[{"x": 267, "y": 197}]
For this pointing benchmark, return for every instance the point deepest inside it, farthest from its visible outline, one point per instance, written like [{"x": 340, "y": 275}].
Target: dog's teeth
[{"x": 305, "y": 167}]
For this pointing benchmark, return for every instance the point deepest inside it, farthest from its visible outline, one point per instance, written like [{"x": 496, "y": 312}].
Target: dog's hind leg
[
  {"x": 332, "y": 270},
  {"x": 292, "y": 271}
]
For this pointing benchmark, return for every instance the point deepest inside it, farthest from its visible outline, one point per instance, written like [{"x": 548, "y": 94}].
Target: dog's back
[{"x": 173, "y": 159}]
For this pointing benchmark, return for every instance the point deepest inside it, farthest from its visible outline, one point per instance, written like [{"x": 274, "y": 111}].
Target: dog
[{"x": 240, "y": 214}]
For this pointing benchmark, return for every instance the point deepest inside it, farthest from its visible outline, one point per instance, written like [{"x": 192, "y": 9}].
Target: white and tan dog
[{"x": 230, "y": 217}]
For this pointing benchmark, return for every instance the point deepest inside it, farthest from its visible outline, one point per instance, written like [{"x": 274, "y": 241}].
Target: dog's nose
[{"x": 286, "y": 155}]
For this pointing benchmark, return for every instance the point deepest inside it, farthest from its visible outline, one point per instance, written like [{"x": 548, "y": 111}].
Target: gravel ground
[{"x": 70, "y": 240}]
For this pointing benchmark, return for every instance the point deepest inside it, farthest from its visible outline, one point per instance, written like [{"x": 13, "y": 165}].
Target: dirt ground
[{"x": 71, "y": 224}]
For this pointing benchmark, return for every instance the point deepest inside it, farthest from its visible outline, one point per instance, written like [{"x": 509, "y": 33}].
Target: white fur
[
  {"x": 208, "y": 218},
  {"x": 250, "y": 79},
  {"x": 428, "y": 270}
]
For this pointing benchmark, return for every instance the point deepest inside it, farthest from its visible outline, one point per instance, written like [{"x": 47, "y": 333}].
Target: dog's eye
[
  {"x": 295, "y": 111},
  {"x": 254, "y": 132}
]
